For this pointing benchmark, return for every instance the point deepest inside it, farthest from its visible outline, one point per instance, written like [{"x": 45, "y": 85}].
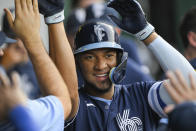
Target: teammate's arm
[
  {"x": 64, "y": 61},
  {"x": 27, "y": 27},
  {"x": 60, "y": 50}
]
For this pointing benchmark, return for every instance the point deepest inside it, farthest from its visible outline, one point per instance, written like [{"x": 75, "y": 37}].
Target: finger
[
  {"x": 169, "y": 108},
  {"x": 29, "y": 4},
  {"x": 10, "y": 18},
  {"x": 170, "y": 75},
  {"x": 172, "y": 91},
  {"x": 119, "y": 9},
  {"x": 174, "y": 82},
  {"x": 17, "y": 6},
  {"x": 4, "y": 80},
  {"x": 15, "y": 79},
  {"x": 181, "y": 80},
  {"x": 192, "y": 81},
  {"x": 116, "y": 21},
  {"x": 35, "y": 6},
  {"x": 23, "y": 4}
]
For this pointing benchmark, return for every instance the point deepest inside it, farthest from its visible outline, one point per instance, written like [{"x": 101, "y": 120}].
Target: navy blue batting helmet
[{"x": 97, "y": 35}]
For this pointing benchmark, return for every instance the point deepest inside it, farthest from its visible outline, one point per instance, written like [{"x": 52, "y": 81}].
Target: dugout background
[{"x": 165, "y": 15}]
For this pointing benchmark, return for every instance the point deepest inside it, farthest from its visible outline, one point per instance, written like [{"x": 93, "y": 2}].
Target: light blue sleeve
[{"x": 48, "y": 113}]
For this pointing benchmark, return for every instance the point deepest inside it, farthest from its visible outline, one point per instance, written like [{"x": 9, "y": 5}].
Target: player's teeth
[{"x": 102, "y": 75}]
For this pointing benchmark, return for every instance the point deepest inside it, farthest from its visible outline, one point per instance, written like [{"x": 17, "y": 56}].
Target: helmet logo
[{"x": 99, "y": 31}]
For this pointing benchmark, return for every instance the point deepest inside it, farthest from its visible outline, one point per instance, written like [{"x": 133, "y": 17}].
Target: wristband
[
  {"x": 143, "y": 34},
  {"x": 56, "y": 18}
]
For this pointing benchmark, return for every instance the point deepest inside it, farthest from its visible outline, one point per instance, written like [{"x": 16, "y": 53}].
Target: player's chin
[{"x": 104, "y": 86}]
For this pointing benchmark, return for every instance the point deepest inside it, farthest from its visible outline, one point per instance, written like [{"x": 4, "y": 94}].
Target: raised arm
[
  {"x": 27, "y": 27},
  {"x": 64, "y": 61},
  {"x": 60, "y": 50},
  {"x": 134, "y": 22}
]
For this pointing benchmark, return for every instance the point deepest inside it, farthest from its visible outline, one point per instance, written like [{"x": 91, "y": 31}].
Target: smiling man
[
  {"x": 96, "y": 54},
  {"x": 103, "y": 103}
]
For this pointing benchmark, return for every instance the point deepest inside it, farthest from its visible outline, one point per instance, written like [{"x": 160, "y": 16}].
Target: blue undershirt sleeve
[{"x": 22, "y": 119}]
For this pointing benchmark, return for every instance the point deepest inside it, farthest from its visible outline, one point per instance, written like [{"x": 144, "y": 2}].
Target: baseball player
[
  {"x": 12, "y": 99},
  {"x": 101, "y": 104},
  {"x": 187, "y": 30},
  {"x": 105, "y": 105},
  {"x": 16, "y": 59},
  {"x": 134, "y": 68},
  {"x": 50, "y": 111}
]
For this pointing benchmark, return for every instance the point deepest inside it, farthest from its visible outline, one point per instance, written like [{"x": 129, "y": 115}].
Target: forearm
[
  {"x": 169, "y": 59},
  {"x": 51, "y": 48},
  {"x": 62, "y": 55},
  {"x": 48, "y": 76}
]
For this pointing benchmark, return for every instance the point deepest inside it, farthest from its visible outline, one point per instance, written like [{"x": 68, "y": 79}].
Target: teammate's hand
[
  {"x": 179, "y": 89},
  {"x": 11, "y": 94},
  {"x": 53, "y": 10},
  {"x": 26, "y": 24},
  {"x": 133, "y": 18}
]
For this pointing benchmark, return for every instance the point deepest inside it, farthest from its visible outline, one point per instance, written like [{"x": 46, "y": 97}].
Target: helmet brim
[{"x": 98, "y": 45}]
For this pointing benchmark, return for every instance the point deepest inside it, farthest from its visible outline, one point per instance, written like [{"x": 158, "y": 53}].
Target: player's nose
[{"x": 100, "y": 64}]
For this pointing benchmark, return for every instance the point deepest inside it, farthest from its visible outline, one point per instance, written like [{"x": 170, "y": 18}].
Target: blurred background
[{"x": 165, "y": 16}]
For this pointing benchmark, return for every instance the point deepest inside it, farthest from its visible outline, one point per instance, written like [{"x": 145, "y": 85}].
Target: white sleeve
[
  {"x": 170, "y": 59},
  {"x": 48, "y": 113}
]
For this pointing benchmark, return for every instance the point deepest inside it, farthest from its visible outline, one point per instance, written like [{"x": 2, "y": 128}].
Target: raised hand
[
  {"x": 11, "y": 94},
  {"x": 133, "y": 18},
  {"x": 53, "y": 10},
  {"x": 179, "y": 89},
  {"x": 26, "y": 24}
]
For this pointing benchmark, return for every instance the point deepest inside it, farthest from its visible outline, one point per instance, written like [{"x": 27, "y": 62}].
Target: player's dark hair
[{"x": 187, "y": 24}]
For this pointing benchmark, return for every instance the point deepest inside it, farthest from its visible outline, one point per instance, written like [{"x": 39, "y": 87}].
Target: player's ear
[{"x": 191, "y": 36}]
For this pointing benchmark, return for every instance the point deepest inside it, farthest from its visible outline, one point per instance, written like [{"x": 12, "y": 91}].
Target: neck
[
  {"x": 102, "y": 94},
  {"x": 190, "y": 53}
]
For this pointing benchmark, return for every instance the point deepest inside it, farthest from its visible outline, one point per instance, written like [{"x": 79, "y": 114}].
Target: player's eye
[
  {"x": 110, "y": 55},
  {"x": 88, "y": 57}
]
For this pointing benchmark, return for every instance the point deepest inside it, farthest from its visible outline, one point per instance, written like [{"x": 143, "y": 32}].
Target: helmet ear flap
[
  {"x": 119, "y": 56},
  {"x": 117, "y": 74}
]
